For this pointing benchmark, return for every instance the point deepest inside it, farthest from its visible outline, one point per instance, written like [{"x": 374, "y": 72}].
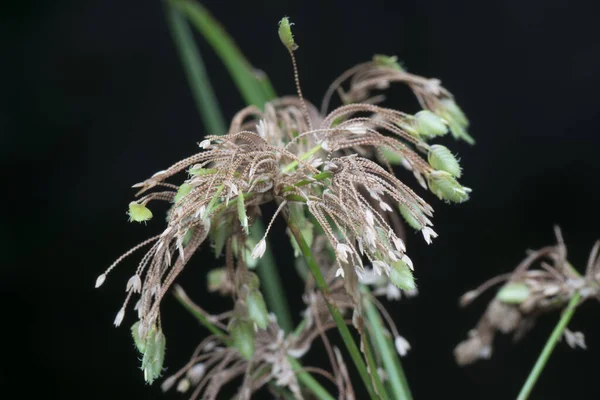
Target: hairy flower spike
[
  {"x": 139, "y": 212},
  {"x": 242, "y": 333},
  {"x": 285, "y": 34},
  {"x": 429, "y": 125},
  {"x": 442, "y": 159},
  {"x": 444, "y": 186},
  {"x": 401, "y": 276},
  {"x": 257, "y": 309}
]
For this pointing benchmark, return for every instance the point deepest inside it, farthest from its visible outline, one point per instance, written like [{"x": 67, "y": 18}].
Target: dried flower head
[
  {"x": 527, "y": 293},
  {"x": 320, "y": 169}
]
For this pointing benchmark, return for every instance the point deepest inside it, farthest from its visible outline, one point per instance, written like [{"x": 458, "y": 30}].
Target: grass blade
[
  {"x": 240, "y": 69},
  {"x": 195, "y": 71}
]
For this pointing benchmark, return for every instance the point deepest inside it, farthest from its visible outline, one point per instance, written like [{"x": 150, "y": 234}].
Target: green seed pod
[
  {"x": 201, "y": 171},
  {"x": 409, "y": 217},
  {"x": 387, "y": 61},
  {"x": 442, "y": 159},
  {"x": 257, "y": 309},
  {"x": 135, "y": 333},
  {"x": 454, "y": 111},
  {"x": 241, "y": 208},
  {"x": 428, "y": 124},
  {"x": 401, "y": 276},
  {"x": 285, "y": 34},
  {"x": 392, "y": 156},
  {"x": 242, "y": 333},
  {"x": 159, "y": 354},
  {"x": 216, "y": 278},
  {"x": 456, "y": 119},
  {"x": 444, "y": 186},
  {"x": 513, "y": 293},
  {"x": 183, "y": 191},
  {"x": 139, "y": 212}
]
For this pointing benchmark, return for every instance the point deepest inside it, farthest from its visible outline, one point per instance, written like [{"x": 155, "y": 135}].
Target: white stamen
[
  {"x": 342, "y": 250},
  {"x": 428, "y": 234},
  {"x": 205, "y": 144},
  {"x": 408, "y": 262},
  {"x": 379, "y": 266},
  {"x": 339, "y": 272},
  {"x": 402, "y": 345},
  {"x": 100, "y": 280},
  {"x": 398, "y": 244},
  {"x": 119, "y": 317},
  {"x": 259, "y": 249},
  {"x": 196, "y": 373},
  {"x": 134, "y": 283},
  {"x": 385, "y": 206},
  {"x": 369, "y": 217},
  {"x": 183, "y": 385}
]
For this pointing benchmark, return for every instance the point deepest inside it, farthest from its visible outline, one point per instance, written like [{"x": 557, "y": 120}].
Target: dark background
[{"x": 93, "y": 99}]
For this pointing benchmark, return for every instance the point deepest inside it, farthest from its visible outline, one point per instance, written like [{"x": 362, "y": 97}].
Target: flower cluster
[
  {"x": 527, "y": 293},
  {"x": 331, "y": 172}
]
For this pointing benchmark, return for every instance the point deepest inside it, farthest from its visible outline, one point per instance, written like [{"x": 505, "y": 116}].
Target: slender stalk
[
  {"x": 335, "y": 313},
  {"x": 309, "y": 382},
  {"x": 304, "y": 377},
  {"x": 189, "y": 305},
  {"x": 240, "y": 70},
  {"x": 549, "y": 347},
  {"x": 195, "y": 71},
  {"x": 271, "y": 283},
  {"x": 389, "y": 356}
]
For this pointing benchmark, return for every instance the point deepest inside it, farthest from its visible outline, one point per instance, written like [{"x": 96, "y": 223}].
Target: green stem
[
  {"x": 240, "y": 70},
  {"x": 391, "y": 361},
  {"x": 335, "y": 313},
  {"x": 309, "y": 382},
  {"x": 304, "y": 377},
  {"x": 182, "y": 297},
  {"x": 271, "y": 282},
  {"x": 195, "y": 71},
  {"x": 550, "y": 344}
]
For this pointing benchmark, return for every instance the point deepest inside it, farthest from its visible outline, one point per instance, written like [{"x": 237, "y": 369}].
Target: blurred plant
[
  {"x": 330, "y": 175},
  {"x": 527, "y": 293}
]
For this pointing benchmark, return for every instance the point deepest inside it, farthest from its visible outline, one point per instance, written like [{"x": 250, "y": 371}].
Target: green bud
[
  {"x": 201, "y": 171},
  {"x": 139, "y": 212},
  {"x": 401, "y": 276},
  {"x": 139, "y": 343},
  {"x": 241, "y": 208},
  {"x": 188, "y": 236},
  {"x": 252, "y": 280},
  {"x": 392, "y": 156},
  {"x": 456, "y": 119},
  {"x": 442, "y": 159},
  {"x": 444, "y": 186},
  {"x": 387, "y": 61},
  {"x": 408, "y": 216},
  {"x": 154, "y": 355},
  {"x": 285, "y": 34},
  {"x": 183, "y": 191},
  {"x": 454, "y": 111},
  {"x": 242, "y": 333},
  {"x": 513, "y": 293},
  {"x": 220, "y": 233},
  {"x": 257, "y": 309},
  {"x": 428, "y": 124},
  {"x": 216, "y": 278}
]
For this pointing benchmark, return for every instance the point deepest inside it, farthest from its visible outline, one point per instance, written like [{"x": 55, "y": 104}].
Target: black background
[{"x": 94, "y": 99}]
